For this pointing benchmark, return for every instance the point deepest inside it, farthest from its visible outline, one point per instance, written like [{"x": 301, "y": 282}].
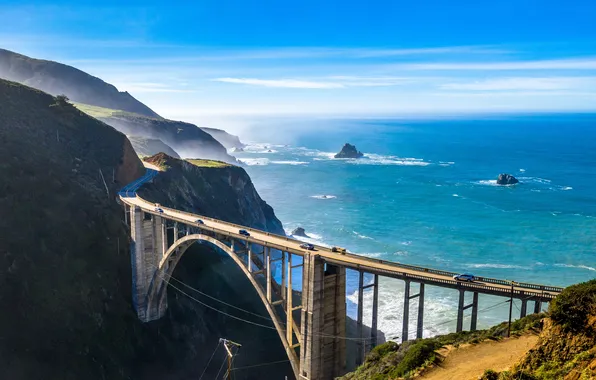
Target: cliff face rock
[
  {"x": 226, "y": 139},
  {"x": 186, "y": 139},
  {"x": 56, "y": 78},
  {"x": 349, "y": 151},
  {"x": 506, "y": 179},
  {"x": 148, "y": 147},
  {"x": 224, "y": 192},
  {"x": 64, "y": 261}
]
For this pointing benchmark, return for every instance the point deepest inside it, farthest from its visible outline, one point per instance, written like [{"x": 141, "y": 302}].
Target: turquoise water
[{"x": 425, "y": 194}]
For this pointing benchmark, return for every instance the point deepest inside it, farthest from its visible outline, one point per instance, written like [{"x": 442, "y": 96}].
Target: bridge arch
[{"x": 157, "y": 295}]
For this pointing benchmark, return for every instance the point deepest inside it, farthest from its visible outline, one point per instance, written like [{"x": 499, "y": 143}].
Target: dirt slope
[{"x": 470, "y": 361}]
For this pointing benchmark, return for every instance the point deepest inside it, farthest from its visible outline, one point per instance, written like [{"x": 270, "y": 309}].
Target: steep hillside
[
  {"x": 567, "y": 346},
  {"x": 148, "y": 147},
  {"x": 228, "y": 140},
  {"x": 186, "y": 139},
  {"x": 56, "y": 78},
  {"x": 225, "y": 192},
  {"x": 64, "y": 262}
]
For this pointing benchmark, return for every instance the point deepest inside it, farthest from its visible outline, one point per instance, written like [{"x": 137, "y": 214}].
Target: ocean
[{"x": 425, "y": 194}]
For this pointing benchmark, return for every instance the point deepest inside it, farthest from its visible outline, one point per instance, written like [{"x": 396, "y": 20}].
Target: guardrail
[{"x": 130, "y": 191}]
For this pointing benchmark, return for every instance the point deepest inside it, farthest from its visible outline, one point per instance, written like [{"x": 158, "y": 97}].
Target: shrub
[
  {"x": 419, "y": 353},
  {"x": 572, "y": 307},
  {"x": 490, "y": 374}
]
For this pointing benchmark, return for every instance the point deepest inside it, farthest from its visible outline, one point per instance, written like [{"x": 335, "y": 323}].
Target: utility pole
[
  {"x": 510, "y": 310},
  {"x": 228, "y": 345}
]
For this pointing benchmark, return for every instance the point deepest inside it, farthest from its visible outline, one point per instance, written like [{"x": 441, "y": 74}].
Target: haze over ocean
[{"x": 425, "y": 194}]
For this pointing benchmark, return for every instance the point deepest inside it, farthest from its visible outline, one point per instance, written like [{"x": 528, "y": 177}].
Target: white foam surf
[
  {"x": 289, "y": 162},
  {"x": 323, "y": 196},
  {"x": 580, "y": 266},
  {"x": 362, "y": 236},
  {"x": 498, "y": 266},
  {"x": 254, "y": 161}
]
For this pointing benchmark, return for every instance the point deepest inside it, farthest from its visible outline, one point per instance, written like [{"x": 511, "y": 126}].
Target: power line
[
  {"x": 209, "y": 362},
  {"x": 222, "y": 364},
  {"x": 261, "y": 365},
  {"x": 214, "y": 298},
  {"x": 219, "y": 311}
]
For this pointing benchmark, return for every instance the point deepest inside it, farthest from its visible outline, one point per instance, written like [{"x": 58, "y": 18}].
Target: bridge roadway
[{"x": 520, "y": 290}]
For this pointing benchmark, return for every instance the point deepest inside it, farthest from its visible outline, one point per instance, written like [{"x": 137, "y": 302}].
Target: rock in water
[
  {"x": 506, "y": 179},
  {"x": 349, "y": 151},
  {"x": 299, "y": 232}
]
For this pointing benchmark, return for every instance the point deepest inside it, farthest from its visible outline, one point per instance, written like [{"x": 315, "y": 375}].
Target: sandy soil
[{"x": 469, "y": 361}]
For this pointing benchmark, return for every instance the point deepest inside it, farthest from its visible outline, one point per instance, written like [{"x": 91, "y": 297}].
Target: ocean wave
[
  {"x": 254, "y": 161},
  {"x": 289, "y": 162},
  {"x": 446, "y": 163},
  {"x": 323, "y": 196},
  {"x": 362, "y": 236},
  {"x": 498, "y": 266},
  {"x": 522, "y": 170},
  {"x": 567, "y": 188},
  {"x": 406, "y": 243},
  {"x": 580, "y": 266},
  {"x": 535, "y": 180},
  {"x": 491, "y": 182}
]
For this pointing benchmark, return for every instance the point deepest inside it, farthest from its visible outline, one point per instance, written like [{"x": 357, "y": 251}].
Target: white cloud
[
  {"x": 524, "y": 83},
  {"x": 283, "y": 83},
  {"x": 322, "y": 83},
  {"x": 554, "y": 64}
]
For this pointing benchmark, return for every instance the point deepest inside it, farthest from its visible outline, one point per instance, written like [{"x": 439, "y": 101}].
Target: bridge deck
[{"x": 352, "y": 261}]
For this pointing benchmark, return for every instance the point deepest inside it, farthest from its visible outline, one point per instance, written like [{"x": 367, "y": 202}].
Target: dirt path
[{"x": 469, "y": 361}]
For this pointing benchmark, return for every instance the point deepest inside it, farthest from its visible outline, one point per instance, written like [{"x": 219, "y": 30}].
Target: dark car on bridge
[
  {"x": 244, "y": 232},
  {"x": 464, "y": 277},
  {"x": 159, "y": 209},
  {"x": 199, "y": 221},
  {"x": 308, "y": 246}
]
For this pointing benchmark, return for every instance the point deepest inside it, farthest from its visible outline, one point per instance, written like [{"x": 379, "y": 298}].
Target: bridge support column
[
  {"x": 375, "y": 311},
  {"x": 249, "y": 256},
  {"x": 419, "y": 325},
  {"x": 360, "y": 334},
  {"x": 148, "y": 243},
  {"x": 537, "y": 306},
  {"x": 268, "y": 269},
  {"x": 474, "y": 321},
  {"x": 323, "y": 320},
  {"x": 460, "y": 311},
  {"x": 175, "y": 231},
  {"x": 524, "y": 308},
  {"x": 283, "y": 275},
  {"x": 406, "y": 316}
]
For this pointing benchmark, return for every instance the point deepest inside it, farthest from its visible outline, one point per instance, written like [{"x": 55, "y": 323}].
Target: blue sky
[{"x": 203, "y": 59}]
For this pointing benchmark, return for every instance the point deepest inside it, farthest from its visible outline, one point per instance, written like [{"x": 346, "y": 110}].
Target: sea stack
[
  {"x": 349, "y": 151},
  {"x": 506, "y": 179},
  {"x": 299, "y": 232}
]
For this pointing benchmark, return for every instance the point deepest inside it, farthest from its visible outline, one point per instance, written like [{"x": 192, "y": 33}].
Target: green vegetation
[
  {"x": 208, "y": 163},
  {"x": 572, "y": 308},
  {"x": 98, "y": 112},
  {"x": 391, "y": 360}
]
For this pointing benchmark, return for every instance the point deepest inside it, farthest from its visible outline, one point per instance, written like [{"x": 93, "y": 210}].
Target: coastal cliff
[
  {"x": 64, "y": 262},
  {"x": 210, "y": 188}
]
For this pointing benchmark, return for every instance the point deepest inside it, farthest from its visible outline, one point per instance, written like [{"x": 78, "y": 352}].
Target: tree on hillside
[{"x": 61, "y": 101}]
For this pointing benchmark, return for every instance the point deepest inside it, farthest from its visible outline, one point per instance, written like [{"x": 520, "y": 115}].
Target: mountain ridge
[{"x": 57, "y": 78}]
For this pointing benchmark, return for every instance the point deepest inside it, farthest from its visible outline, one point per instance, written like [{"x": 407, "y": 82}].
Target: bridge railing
[{"x": 526, "y": 285}]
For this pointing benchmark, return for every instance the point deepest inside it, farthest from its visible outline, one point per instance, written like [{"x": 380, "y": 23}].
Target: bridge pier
[
  {"x": 323, "y": 320},
  {"x": 537, "y": 306},
  {"x": 461, "y": 308},
  {"x": 524, "y": 308},
  {"x": 149, "y": 244},
  {"x": 406, "y": 317}
]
